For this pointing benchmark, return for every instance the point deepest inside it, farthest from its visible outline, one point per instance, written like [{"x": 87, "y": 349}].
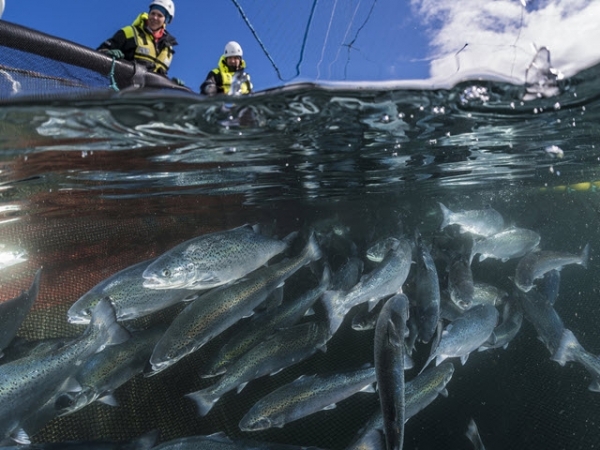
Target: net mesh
[
  {"x": 36, "y": 65},
  {"x": 327, "y": 40}
]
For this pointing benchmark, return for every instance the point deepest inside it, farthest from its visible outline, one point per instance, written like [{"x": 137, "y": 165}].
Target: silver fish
[
  {"x": 218, "y": 309},
  {"x": 569, "y": 349},
  {"x": 389, "y": 368},
  {"x": 545, "y": 319},
  {"x": 365, "y": 320},
  {"x": 386, "y": 279},
  {"x": 219, "y": 441},
  {"x": 467, "y": 333},
  {"x": 20, "y": 348},
  {"x": 419, "y": 393},
  {"x": 29, "y": 382},
  {"x": 507, "y": 244},
  {"x": 346, "y": 277},
  {"x": 212, "y": 260},
  {"x": 128, "y": 296},
  {"x": 104, "y": 372},
  {"x": 258, "y": 329},
  {"x": 427, "y": 293},
  {"x": 481, "y": 222},
  {"x": 286, "y": 347},
  {"x": 512, "y": 319},
  {"x": 534, "y": 265},
  {"x": 485, "y": 293},
  {"x": 304, "y": 396},
  {"x": 379, "y": 249},
  {"x": 473, "y": 435},
  {"x": 14, "y": 311},
  {"x": 143, "y": 442},
  {"x": 460, "y": 283}
]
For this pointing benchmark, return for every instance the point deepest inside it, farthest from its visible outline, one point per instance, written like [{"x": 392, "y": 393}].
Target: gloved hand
[
  {"x": 115, "y": 53},
  {"x": 209, "y": 89},
  {"x": 178, "y": 81}
]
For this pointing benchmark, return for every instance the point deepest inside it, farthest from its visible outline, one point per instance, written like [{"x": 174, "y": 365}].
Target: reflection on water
[{"x": 89, "y": 187}]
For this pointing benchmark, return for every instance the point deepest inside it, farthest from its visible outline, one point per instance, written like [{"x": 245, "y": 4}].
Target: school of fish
[{"x": 417, "y": 293}]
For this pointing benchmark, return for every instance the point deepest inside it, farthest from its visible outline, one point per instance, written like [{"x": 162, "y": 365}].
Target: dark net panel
[
  {"x": 25, "y": 73},
  {"x": 35, "y": 65}
]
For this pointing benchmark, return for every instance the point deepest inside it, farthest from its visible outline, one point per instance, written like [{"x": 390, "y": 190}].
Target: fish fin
[
  {"x": 241, "y": 386},
  {"x": 219, "y": 435},
  {"x": 189, "y": 298},
  {"x": 564, "y": 352},
  {"x": 146, "y": 440},
  {"x": 444, "y": 392},
  {"x": 439, "y": 359},
  {"x": 20, "y": 436},
  {"x": 323, "y": 348},
  {"x": 446, "y": 216},
  {"x": 71, "y": 385},
  {"x": 109, "y": 399},
  {"x": 209, "y": 278},
  {"x": 408, "y": 362},
  {"x": 372, "y": 303},
  {"x": 431, "y": 358},
  {"x": 276, "y": 372},
  {"x": 334, "y": 315},
  {"x": 463, "y": 358},
  {"x": 309, "y": 312},
  {"x": 368, "y": 388},
  {"x": 585, "y": 255},
  {"x": 594, "y": 386},
  {"x": 473, "y": 435},
  {"x": 104, "y": 321},
  {"x": 328, "y": 407},
  {"x": 204, "y": 400}
]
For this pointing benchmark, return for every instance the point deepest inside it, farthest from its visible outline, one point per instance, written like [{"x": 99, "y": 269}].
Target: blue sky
[{"x": 348, "y": 40}]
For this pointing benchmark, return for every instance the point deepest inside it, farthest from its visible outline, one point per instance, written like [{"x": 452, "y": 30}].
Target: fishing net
[
  {"x": 334, "y": 40},
  {"x": 36, "y": 65}
]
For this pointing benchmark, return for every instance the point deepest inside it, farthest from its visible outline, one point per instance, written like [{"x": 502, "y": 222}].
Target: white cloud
[{"x": 502, "y": 36}]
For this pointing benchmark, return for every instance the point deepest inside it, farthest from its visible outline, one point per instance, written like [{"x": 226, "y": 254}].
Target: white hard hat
[
  {"x": 232, "y": 48},
  {"x": 167, "y": 5}
]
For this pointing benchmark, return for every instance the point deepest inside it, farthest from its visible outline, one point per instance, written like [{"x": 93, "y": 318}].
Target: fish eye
[
  {"x": 190, "y": 267},
  {"x": 166, "y": 273}
]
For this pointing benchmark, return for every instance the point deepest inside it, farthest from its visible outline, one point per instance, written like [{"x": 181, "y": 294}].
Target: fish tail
[
  {"x": 565, "y": 351},
  {"x": 446, "y": 216},
  {"x": 204, "y": 399},
  {"x": 326, "y": 277},
  {"x": 329, "y": 299},
  {"x": 585, "y": 255},
  {"x": 104, "y": 324},
  {"x": 312, "y": 250}
]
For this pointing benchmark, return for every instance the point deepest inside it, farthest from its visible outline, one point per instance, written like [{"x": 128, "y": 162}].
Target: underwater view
[{"x": 173, "y": 267}]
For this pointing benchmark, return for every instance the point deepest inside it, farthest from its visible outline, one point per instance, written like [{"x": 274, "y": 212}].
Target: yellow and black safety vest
[
  {"x": 227, "y": 77},
  {"x": 157, "y": 57}
]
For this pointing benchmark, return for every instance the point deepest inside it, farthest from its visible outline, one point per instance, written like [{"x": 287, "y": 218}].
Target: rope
[
  {"x": 264, "y": 49},
  {"x": 113, "y": 82}
]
